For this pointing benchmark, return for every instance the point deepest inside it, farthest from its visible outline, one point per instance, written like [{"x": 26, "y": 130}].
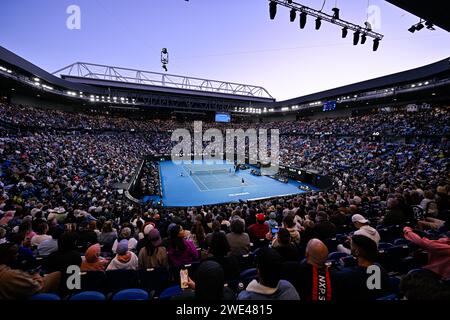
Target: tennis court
[{"x": 201, "y": 183}]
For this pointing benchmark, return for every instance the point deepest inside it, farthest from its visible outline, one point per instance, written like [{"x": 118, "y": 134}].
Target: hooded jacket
[{"x": 256, "y": 291}]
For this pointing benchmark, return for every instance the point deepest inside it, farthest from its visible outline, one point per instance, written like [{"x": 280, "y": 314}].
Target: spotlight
[
  {"x": 412, "y": 29},
  {"x": 303, "y": 17},
  {"x": 376, "y": 44},
  {"x": 293, "y": 15},
  {"x": 363, "y": 38},
  {"x": 318, "y": 23},
  {"x": 429, "y": 25},
  {"x": 368, "y": 25},
  {"x": 289, "y": 1},
  {"x": 272, "y": 9},
  {"x": 356, "y": 37},
  {"x": 419, "y": 26},
  {"x": 336, "y": 13},
  {"x": 344, "y": 32}
]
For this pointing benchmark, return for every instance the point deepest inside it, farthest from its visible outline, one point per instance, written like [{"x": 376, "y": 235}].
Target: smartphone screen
[
  {"x": 184, "y": 278},
  {"x": 274, "y": 231}
]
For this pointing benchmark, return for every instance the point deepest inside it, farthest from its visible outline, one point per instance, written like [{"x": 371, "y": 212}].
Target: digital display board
[
  {"x": 329, "y": 106},
  {"x": 223, "y": 117}
]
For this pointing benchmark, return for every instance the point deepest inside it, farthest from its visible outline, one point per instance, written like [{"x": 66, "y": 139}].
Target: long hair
[{"x": 176, "y": 242}]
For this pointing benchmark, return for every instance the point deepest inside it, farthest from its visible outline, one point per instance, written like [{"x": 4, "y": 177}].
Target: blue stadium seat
[
  {"x": 390, "y": 297},
  {"x": 382, "y": 246},
  {"x": 401, "y": 242},
  {"x": 88, "y": 296},
  {"x": 93, "y": 281},
  {"x": 171, "y": 292},
  {"x": 331, "y": 244},
  {"x": 334, "y": 256},
  {"x": 349, "y": 261},
  {"x": 247, "y": 276},
  {"x": 45, "y": 297},
  {"x": 154, "y": 279},
  {"x": 118, "y": 280},
  {"x": 246, "y": 261},
  {"x": 131, "y": 294},
  {"x": 395, "y": 284}
]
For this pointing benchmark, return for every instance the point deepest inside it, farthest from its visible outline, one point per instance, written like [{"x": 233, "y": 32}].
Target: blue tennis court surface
[{"x": 199, "y": 183}]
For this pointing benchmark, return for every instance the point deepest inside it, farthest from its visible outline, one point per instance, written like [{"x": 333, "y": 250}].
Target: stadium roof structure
[
  {"x": 430, "y": 77},
  {"x": 100, "y": 85},
  {"x": 435, "y": 12},
  {"x": 92, "y": 84},
  {"x": 103, "y": 75}
]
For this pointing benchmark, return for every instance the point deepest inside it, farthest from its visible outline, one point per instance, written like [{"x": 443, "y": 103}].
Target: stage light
[
  {"x": 419, "y": 26},
  {"x": 318, "y": 23},
  {"x": 336, "y": 13},
  {"x": 272, "y": 9},
  {"x": 429, "y": 25},
  {"x": 344, "y": 32},
  {"x": 303, "y": 17},
  {"x": 376, "y": 44},
  {"x": 368, "y": 25},
  {"x": 412, "y": 29},
  {"x": 356, "y": 37},
  {"x": 363, "y": 38},
  {"x": 293, "y": 15}
]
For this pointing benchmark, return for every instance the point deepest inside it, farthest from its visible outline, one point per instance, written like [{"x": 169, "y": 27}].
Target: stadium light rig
[
  {"x": 366, "y": 30},
  {"x": 419, "y": 26}
]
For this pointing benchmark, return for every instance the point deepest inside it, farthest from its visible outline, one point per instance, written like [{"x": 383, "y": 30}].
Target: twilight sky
[{"x": 230, "y": 40}]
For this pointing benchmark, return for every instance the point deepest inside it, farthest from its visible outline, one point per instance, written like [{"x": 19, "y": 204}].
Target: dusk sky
[{"x": 231, "y": 40}]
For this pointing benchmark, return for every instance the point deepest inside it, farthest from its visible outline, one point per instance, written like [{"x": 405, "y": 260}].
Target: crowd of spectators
[{"x": 62, "y": 204}]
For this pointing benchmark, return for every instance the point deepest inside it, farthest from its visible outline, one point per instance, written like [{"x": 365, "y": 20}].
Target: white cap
[
  {"x": 359, "y": 218},
  {"x": 148, "y": 228}
]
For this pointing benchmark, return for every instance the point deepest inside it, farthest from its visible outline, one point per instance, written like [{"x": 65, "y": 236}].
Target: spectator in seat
[
  {"x": 92, "y": 260},
  {"x": 108, "y": 236},
  {"x": 312, "y": 278},
  {"x": 86, "y": 236},
  {"x": 16, "y": 284},
  {"x": 67, "y": 254},
  {"x": 289, "y": 225},
  {"x": 323, "y": 228},
  {"x": 51, "y": 245},
  {"x": 197, "y": 235},
  {"x": 153, "y": 254},
  {"x": 269, "y": 285},
  {"x": 124, "y": 259},
  {"x": 258, "y": 230},
  {"x": 125, "y": 234},
  {"x": 351, "y": 282},
  {"x": 362, "y": 224},
  {"x": 209, "y": 284},
  {"x": 219, "y": 250},
  {"x": 423, "y": 285},
  {"x": 180, "y": 250},
  {"x": 285, "y": 247},
  {"x": 216, "y": 227},
  {"x": 438, "y": 252},
  {"x": 394, "y": 214},
  {"x": 272, "y": 222},
  {"x": 41, "y": 235},
  {"x": 238, "y": 240}
]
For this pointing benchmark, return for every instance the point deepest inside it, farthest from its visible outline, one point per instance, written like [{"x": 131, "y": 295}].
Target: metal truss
[
  {"x": 111, "y": 73},
  {"x": 325, "y": 17}
]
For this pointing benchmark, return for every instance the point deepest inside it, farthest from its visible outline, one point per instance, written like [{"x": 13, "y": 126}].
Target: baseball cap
[
  {"x": 260, "y": 217},
  {"x": 359, "y": 218}
]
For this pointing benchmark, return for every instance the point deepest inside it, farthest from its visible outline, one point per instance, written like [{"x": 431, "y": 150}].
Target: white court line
[{"x": 199, "y": 180}]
